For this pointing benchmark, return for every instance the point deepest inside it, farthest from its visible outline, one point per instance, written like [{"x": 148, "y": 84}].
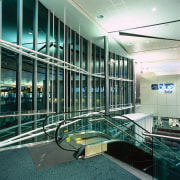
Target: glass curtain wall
[
  {"x": 58, "y": 87},
  {"x": 121, "y": 83}
]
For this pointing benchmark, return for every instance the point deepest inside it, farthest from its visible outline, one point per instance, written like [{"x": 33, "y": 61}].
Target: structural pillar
[
  {"x": 19, "y": 60},
  {"x": 34, "y": 84},
  {"x": 106, "y": 65}
]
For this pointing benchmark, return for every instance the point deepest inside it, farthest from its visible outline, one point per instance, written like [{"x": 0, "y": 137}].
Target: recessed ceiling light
[
  {"x": 100, "y": 16},
  {"x": 153, "y": 9}
]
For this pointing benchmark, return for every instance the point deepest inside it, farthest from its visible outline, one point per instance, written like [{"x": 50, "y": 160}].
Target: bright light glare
[{"x": 154, "y": 9}]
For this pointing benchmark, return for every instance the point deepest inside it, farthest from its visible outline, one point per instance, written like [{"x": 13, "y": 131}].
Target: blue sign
[{"x": 160, "y": 87}]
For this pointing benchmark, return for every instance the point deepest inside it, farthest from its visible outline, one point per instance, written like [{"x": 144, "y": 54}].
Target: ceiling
[{"x": 155, "y": 18}]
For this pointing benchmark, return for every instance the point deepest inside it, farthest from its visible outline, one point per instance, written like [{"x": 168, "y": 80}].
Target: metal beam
[{"x": 144, "y": 36}]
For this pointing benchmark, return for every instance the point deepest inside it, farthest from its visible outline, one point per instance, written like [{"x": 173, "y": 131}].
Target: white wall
[{"x": 157, "y": 102}]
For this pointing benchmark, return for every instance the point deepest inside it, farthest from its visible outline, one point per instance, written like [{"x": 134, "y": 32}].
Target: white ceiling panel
[{"x": 136, "y": 15}]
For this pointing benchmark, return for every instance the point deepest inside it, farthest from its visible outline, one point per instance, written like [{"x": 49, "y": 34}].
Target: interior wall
[{"x": 158, "y": 102}]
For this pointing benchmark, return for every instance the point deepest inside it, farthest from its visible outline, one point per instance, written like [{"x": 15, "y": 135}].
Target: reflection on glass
[
  {"x": 121, "y": 68},
  {"x": 77, "y": 51},
  {"x": 72, "y": 92},
  {"x": 26, "y": 84},
  {"x": 77, "y": 92},
  {"x": 41, "y": 72},
  {"x": 84, "y": 92},
  {"x": 9, "y": 20},
  {"x": 8, "y": 82},
  {"x": 61, "y": 49},
  {"x": 27, "y": 36},
  {"x": 102, "y": 62},
  {"x": 102, "y": 92},
  {"x": 53, "y": 36},
  {"x": 61, "y": 92},
  {"x": 84, "y": 58},
  {"x": 97, "y": 92},
  {"x": 42, "y": 28},
  {"x": 93, "y": 92},
  {"x": 97, "y": 60},
  {"x": 53, "y": 90},
  {"x": 125, "y": 69}
]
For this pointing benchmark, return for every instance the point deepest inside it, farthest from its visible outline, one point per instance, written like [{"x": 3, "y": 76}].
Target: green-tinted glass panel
[
  {"x": 26, "y": 84},
  {"x": 53, "y": 90},
  {"x": 77, "y": 91},
  {"x": 84, "y": 91},
  {"x": 61, "y": 92},
  {"x": 9, "y": 21},
  {"x": 8, "y": 81},
  {"x": 41, "y": 87},
  {"x": 28, "y": 30},
  {"x": 42, "y": 28}
]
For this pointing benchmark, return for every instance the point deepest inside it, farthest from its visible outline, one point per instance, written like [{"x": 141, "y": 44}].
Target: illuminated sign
[{"x": 167, "y": 88}]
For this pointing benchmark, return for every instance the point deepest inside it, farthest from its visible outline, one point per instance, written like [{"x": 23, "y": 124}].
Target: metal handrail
[
  {"x": 33, "y": 114},
  {"x": 122, "y": 131},
  {"x": 74, "y": 118},
  {"x": 100, "y": 119},
  {"x": 161, "y": 136},
  {"x": 61, "y": 121}
]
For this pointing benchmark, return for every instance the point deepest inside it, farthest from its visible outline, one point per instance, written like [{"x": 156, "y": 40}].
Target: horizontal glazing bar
[
  {"x": 120, "y": 79},
  {"x": 28, "y": 114},
  {"x": 34, "y": 54}
]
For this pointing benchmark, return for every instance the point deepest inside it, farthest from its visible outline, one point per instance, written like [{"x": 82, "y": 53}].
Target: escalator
[{"x": 93, "y": 133}]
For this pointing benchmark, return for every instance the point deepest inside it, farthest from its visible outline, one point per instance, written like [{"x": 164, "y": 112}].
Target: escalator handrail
[
  {"x": 59, "y": 126},
  {"x": 127, "y": 134},
  {"x": 132, "y": 122},
  {"x": 127, "y": 128},
  {"x": 58, "y": 114}
]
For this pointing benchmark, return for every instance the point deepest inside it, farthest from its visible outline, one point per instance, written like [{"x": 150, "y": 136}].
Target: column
[{"x": 106, "y": 50}]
